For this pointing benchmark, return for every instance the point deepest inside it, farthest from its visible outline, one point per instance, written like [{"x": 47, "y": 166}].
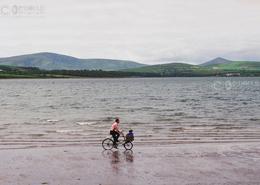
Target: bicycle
[{"x": 108, "y": 143}]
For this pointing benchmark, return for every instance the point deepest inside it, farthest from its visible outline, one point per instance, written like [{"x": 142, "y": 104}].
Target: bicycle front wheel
[
  {"x": 107, "y": 144},
  {"x": 128, "y": 145}
]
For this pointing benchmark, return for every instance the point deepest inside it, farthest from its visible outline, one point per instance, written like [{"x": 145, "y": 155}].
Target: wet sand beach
[{"x": 190, "y": 164}]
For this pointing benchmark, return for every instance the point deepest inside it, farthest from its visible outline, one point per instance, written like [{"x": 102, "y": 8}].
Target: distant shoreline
[
  {"x": 29, "y": 73},
  {"x": 78, "y": 77},
  {"x": 36, "y": 78}
]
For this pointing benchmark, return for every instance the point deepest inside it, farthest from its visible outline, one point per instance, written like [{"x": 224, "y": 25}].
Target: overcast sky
[{"x": 148, "y": 31}]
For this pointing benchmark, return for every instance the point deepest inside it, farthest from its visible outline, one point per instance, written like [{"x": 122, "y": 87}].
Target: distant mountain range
[{"x": 53, "y": 61}]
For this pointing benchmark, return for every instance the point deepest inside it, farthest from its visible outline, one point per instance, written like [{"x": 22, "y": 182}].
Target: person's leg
[
  {"x": 113, "y": 133},
  {"x": 117, "y": 136}
]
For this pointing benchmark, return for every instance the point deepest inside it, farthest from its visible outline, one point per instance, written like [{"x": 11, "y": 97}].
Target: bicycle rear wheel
[
  {"x": 107, "y": 144},
  {"x": 128, "y": 145}
]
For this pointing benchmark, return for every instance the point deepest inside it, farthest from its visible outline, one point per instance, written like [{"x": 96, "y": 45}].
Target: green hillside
[
  {"x": 237, "y": 65},
  {"x": 175, "y": 69},
  {"x": 31, "y": 72}
]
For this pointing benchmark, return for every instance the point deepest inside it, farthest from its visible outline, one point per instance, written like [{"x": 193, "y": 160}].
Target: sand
[{"x": 190, "y": 164}]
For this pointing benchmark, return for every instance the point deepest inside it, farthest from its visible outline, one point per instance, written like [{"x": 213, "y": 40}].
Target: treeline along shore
[{"x": 32, "y": 72}]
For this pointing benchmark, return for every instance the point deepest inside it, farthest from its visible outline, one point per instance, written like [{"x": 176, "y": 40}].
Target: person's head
[
  {"x": 130, "y": 131},
  {"x": 117, "y": 120}
]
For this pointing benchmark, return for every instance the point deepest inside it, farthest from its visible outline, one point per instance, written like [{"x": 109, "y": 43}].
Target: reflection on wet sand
[
  {"x": 114, "y": 161},
  {"x": 119, "y": 159},
  {"x": 129, "y": 156}
]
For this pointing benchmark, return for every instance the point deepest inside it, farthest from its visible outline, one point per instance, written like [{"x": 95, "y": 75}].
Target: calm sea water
[{"x": 46, "y": 112}]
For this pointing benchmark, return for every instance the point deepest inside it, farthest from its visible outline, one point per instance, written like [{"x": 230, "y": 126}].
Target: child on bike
[{"x": 129, "y": 136}]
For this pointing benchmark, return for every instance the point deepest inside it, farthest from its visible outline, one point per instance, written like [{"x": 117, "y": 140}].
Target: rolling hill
[
  {"x": 53, "y": 61},
  {"x": 216, "y": 61}
]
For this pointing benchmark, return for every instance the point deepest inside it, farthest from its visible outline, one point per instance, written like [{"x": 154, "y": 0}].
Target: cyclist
[{"x": 115, "y": 132}]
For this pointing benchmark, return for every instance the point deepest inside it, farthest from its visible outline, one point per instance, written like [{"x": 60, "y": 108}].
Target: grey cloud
[{"x": 149, "y": 31}]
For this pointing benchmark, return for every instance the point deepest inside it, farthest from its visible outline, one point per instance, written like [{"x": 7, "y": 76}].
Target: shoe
[{"x": 115, "y": 146}]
